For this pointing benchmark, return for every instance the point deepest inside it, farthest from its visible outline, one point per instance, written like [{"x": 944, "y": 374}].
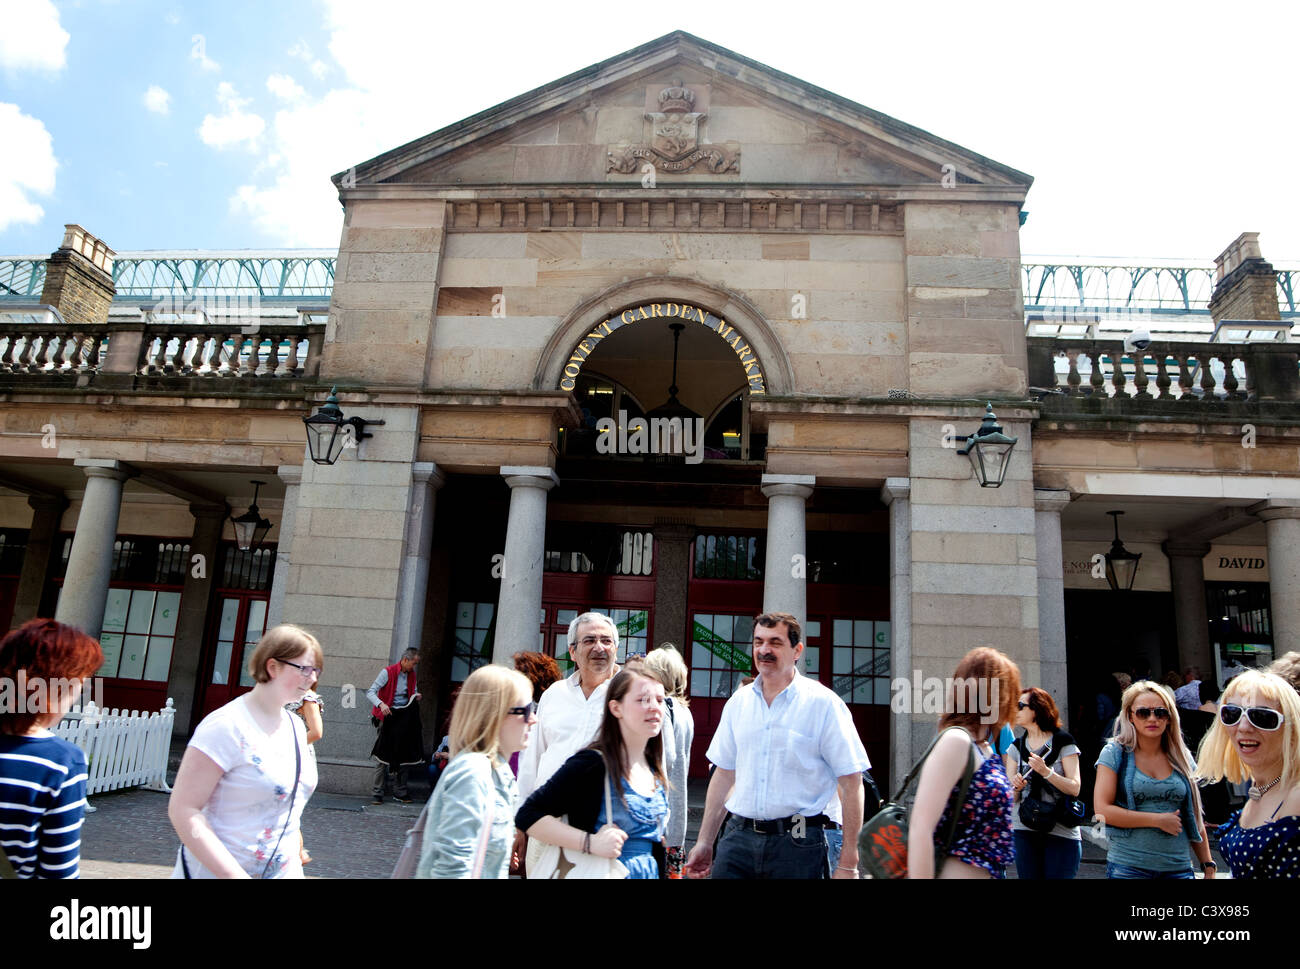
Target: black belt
[{"x": 784, "y": 825}]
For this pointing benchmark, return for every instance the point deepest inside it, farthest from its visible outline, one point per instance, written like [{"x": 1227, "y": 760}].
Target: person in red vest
[{"x": 396, "y": 715}]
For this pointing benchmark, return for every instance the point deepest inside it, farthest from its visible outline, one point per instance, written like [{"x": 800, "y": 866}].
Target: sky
[{"x": 1154, "y": 131}]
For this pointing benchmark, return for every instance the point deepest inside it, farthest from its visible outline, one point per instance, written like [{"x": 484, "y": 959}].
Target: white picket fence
[{"x": 123, "y": 748}]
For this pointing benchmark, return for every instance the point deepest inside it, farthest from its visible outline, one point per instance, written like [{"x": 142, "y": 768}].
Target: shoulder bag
[
  {"x": 552, "y": 861},
  {"x": 882, "y": 842}
]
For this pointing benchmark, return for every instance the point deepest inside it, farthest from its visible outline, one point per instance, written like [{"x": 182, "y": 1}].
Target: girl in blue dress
[{"x": 627, "y": 755}]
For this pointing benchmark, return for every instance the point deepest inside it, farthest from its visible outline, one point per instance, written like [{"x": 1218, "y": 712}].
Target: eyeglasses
[
  {"x": 308, "y": 672},
  {"x": 1145, "y": 713},
  {"x": 1264, "y": 718},
  {"x": 524, "y": 711},
  {"x": 1023, "y": 706}
]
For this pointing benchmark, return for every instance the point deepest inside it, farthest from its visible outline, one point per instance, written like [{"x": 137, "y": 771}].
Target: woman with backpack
[
  {"x": 1043, "y": 765},
  {"x": 968, "y": 836},
  {"x": 1145, "y": 791}
]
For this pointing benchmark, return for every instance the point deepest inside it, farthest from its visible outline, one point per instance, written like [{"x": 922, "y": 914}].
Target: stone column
[
  {"x": 897, "y": 494},
  {"x": 47, "y": 511},
  {"x": 183, "y": 682},
  {"x": 291, "y": 475},
  {"x": 784, "y": 586},
  {"x": 408, "y": 629},
  {"x": 1283, "y": 518},
  {"x": 1187, "y": 579},
  {"x": 519, "y": 608},
  {"x": 90, "y": 564},
  {"x": 1048, "y": 505},
  {"x": 672, "y": 568}
]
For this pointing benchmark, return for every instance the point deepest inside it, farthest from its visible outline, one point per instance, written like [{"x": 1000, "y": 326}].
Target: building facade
[{"x": 677, "y": 338}]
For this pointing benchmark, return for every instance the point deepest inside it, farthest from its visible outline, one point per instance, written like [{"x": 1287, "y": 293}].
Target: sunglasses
[
  {"x": 1263, "y": 718},
  {"x": 524, "y": 711},
  {"x": 1023, "y": 706},
  {"x": 1145, "y": 713}
]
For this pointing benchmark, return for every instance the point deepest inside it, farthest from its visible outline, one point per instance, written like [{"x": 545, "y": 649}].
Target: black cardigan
[{"x": 578, "y": 790}]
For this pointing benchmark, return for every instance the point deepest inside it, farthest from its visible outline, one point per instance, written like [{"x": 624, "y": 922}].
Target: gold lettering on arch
[{"x": 666, "y": 310}]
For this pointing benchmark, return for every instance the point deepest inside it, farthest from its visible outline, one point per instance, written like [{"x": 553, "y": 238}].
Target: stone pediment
[{"x": 682, "y": 110}]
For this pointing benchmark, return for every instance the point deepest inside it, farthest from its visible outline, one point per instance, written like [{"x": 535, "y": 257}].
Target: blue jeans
[
  {"x": 1128, "y": 871},
  {"x": 744, "y": 853},
  {"x": 834, "y": 845},
  {"x": 1040, "y": 855}
]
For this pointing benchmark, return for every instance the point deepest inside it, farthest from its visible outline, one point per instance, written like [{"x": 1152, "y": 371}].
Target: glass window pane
[
  {"x": 881, "y": 690},
  {"x": 565, "y": 616},
  {"x": 159, "y": 661},
  {"x": 256, "y": 620},
  {"x": 862, "y": 632},
  {"x": 459, "y": 669},
  {"x": 843, "y": 686},
  {"x": 115, "y": 609},
  {"x": 140, "y": 614},
  {"x": 166, "y": 611},
  {"x": 133, "y": 650},
  {"x": 483, "y": 614},
  {"x": 882, "y": 635},
  {"x": 244, "y": 655},
  {"x": 881, "y": 665},
  {"x": 700, "y": 683},
  {"x": 812, "y": 629},
  {"x": 701, "y": 659},
  {"x": 465, "y": 614},
  {"x": 843, "y": 662},
  {"x": 111, "y": 643},
  {"x": 862, "y": 690},
  {"x": 810, "y": 659},
  {"x": 221, "y": 662},
  {"x": 843, "y": 632}
]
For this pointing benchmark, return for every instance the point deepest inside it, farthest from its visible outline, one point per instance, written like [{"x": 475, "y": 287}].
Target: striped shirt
[{"x": 42, "y": 804}]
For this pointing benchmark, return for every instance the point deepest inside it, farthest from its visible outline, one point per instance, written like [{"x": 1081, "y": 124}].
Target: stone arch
[{"x": 737, "y": 312}]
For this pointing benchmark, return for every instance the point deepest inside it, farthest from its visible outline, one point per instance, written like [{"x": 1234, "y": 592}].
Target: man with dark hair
[
  {"x": 396, "y": 716},
  {"x": 784, "y": 746}
]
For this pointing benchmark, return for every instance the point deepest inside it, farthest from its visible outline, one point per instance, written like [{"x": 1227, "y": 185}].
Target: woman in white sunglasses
[
  {"x": 1257, "y": 735},
  {"x": 1145, "y": 792}
]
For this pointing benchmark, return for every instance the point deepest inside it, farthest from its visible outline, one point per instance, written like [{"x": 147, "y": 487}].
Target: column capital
[
  {"x": 47, "y": 502},
  {"x": 524, "y": 476},
  {"x": 1194, "y": 550},
  {"x": 1273, "y": 508},
  {"x": 102, "y": 468},
  {"x": 290, "y": 474},
  {"x": 896, "y": 489},
  {"x": 1051, "y": 500},
  {"x": 794, "y": 485},
  {"x": 218, "y": 512},
  {"x": 426, "y": 472}
]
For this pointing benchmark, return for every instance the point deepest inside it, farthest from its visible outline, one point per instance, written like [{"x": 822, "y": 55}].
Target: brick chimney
[
  {"x": 1245, "y": 286},
  {"x": 79, "y": 278}
]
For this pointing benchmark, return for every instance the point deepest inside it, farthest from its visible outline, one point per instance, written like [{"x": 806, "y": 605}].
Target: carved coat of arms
[{"x": 674, "y": 140}]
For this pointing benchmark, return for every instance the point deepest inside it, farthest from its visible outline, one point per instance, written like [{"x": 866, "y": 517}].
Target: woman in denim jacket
[
  {"x": 470, "y": 827},
  {"x": 1145, "y": 791}
]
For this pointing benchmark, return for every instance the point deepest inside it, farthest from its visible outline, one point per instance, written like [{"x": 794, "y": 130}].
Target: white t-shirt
[{"x": 250, "y": 803}]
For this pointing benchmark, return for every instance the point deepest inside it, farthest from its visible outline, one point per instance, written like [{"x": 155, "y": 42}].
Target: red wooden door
[{"x": 240, "y": 623}]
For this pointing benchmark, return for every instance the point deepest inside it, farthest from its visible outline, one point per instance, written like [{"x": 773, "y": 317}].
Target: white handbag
[{"x": 552, "y": 861}]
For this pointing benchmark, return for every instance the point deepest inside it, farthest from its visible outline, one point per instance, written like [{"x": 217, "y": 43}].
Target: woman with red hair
[
  {"x": 42, "y": 778},
  {"x": 976, "y": 843}
]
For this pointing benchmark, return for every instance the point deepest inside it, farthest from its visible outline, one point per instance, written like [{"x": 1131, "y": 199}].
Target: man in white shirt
[
  {"x": 784, "y": 745},
  {"x": 570, "y": 711}
]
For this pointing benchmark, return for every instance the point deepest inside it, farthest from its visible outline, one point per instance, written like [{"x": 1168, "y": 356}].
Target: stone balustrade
[
  {"x": 39, "y": 346},
  {"x": 1176, "y": 372}
]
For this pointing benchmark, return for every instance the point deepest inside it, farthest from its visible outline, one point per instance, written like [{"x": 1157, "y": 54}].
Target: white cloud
[
  {"x": 284, "y": 87},
  {"x": 32, "y": 38},
  {"x": 157, "y": 100},
  {"x": 319, "y": 69},
  {"x": 27, "y": 166},
  {"x": 233, "y": 127},
  {"x": 199, "y": 52}
]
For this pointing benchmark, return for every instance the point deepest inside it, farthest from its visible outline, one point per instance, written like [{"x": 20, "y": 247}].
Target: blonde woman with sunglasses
[
  {"x": 1257, "y": 736},
  {"x": 1145, "y": 792}
]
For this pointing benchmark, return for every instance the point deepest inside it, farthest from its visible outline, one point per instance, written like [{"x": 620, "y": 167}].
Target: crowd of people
[{"x": 585, "y": 775}]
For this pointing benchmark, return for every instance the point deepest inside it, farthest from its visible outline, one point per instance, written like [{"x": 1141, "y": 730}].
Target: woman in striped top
[{"x": 42, "y": 778}]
